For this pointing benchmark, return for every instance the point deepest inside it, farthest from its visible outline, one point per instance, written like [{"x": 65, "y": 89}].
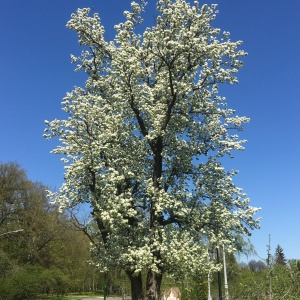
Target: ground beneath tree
[{"x": 107, "y": 298}]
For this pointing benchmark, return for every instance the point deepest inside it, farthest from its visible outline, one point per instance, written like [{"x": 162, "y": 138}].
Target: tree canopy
[
  {"x": 38, "y": 244},
  {"x": 144, "y": 140}
]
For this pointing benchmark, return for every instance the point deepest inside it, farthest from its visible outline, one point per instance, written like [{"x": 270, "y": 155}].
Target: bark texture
[
  {"x": 136, "y": 282},
  {"x": 153, "y": 285}
]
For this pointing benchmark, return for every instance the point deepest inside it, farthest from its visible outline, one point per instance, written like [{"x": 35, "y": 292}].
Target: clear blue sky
[{"x": 36, "y": 73}]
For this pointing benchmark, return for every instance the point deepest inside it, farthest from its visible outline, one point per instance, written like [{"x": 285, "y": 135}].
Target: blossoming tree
[{"x": 144, "y": 140}]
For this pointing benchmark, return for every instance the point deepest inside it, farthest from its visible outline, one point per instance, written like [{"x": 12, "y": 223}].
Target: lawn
[{"x": 69, "y": 296}]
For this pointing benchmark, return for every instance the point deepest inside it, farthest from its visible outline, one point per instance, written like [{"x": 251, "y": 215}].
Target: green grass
[{"x": 70, "y": 296}]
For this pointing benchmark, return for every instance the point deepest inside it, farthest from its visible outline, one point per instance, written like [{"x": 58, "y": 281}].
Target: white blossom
[{"x": 143, "y": 141}]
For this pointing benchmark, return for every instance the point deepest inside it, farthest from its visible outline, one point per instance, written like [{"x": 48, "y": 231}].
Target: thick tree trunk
[
  {"x": 153, "y": 285},
  {"x": 136, "y": 282}
]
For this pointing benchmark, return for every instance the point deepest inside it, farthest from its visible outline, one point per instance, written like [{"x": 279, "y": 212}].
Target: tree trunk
[
  {"x": 136, "y": 286},
  {"x": 153, "y": 285}
]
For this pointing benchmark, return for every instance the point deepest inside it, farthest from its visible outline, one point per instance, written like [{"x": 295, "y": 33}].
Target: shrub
[{"x": 22, "y": 285}]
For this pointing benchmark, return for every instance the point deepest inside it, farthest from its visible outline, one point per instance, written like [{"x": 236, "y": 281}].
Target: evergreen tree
[{"x": 279, "y": 256}]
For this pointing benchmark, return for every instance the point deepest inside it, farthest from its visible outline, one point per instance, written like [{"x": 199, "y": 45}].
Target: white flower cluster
[{"x": 144, "y": 140}]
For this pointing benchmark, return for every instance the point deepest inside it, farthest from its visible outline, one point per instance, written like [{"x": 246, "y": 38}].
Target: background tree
[
  {"x": 256, "y": 266},
  {"x": 49, "y": 255},
  {"x": 12, "y": 185},
  {"x": 144, "y": 141},
  {"x": 279, "y": 258}
]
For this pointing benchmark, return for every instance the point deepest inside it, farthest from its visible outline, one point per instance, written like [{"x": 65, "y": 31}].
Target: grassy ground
[{"x": 69, "y": 296}]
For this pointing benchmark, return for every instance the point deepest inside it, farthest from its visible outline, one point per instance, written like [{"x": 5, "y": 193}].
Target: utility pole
[
  {"x": 208, "y": 278},
  {"x": 269, "y": 264},
  {"x": 225, "y": 275},
  {"x": 219, "y": 277}
]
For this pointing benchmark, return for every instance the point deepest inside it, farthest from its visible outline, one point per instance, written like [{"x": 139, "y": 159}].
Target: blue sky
[{"x": 36, "y": 72}]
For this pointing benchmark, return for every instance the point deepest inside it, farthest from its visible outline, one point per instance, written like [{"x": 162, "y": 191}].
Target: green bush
[
  {"x": 53, "y": 281},
  {"x": 22, "y": 285},
  {"x": 28, "y": 282},
  {"x": 7, "y": 265}
]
